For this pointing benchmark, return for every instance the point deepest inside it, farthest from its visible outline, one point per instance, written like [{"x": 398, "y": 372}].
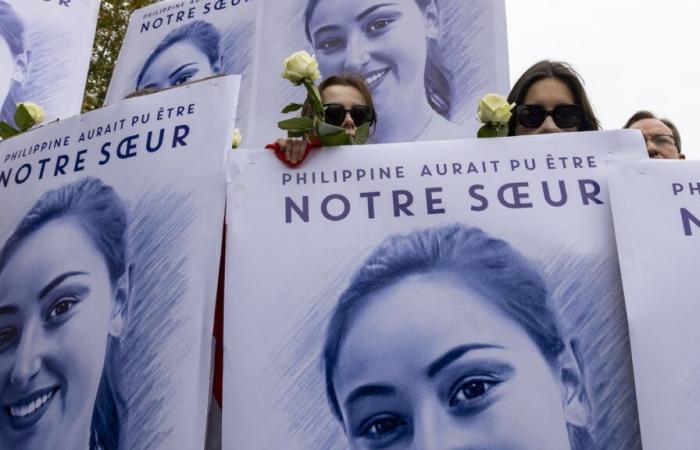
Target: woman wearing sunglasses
[
  {"x": 347, "y": 103},
  {"x": 550, "y": 98}
]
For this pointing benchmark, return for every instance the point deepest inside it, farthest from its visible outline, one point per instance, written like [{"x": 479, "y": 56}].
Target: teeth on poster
[
  {"x": 45, "y": 48},
  {"x": 454, "y": 294},
  {"x": 110, "y": 238},
  {"x": 427, "y": 62},
  {"x": 657, "y": 222}
]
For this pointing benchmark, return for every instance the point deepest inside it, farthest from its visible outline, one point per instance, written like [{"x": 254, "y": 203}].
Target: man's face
[{"x": 659, "y": 139}]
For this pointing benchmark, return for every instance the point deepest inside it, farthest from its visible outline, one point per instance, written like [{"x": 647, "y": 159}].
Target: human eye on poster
[
  {"x": 109, "y": 244},
  {"x": 657, "y": 222},
  {"x": 427, "y": 62},
  {"x": 173, "y": 42},
  {"x": 45, "y": 48},
  {"x": 464, "y": 295}
]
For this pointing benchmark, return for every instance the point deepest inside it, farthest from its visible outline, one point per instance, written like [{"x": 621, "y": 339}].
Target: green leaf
[
  {"x": 7, "y": 131},
  {"x": 333, "y": 140},
  {"x": 502, "y": 131},
  {"x": 23, "y": 119},
  {"x": 361, "y": 135},
  {"x": 296, "y": 134},
  {"x": 292, "y": 107},
  {"x": 326, "y": 129},
  {"x": 487, "y": 131},
  {"x": 297, "y": 124}
]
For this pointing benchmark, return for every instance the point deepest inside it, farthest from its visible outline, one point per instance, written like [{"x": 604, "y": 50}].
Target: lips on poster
[
  {"x": 445, "y": 53},
  {"x": 109, "y": 248}
]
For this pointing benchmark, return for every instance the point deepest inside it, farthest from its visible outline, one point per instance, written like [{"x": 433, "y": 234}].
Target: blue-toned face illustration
[
  {"x": 430, "y": 364},
  {"x": 56, "y": 312},
  {"x": 181, "y": 62},
  {"x": 385, "y": 41}
]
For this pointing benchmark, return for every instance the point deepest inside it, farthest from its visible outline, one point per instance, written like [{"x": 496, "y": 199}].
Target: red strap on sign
[{"x": 280, "y": 154}]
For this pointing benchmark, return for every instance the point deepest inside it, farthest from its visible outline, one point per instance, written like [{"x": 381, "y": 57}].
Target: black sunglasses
[
  {"x": 564, "y": 116},
  {"x": 335, "y": 114}
]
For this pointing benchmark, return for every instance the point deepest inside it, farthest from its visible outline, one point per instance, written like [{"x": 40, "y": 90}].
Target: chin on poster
[
  {"x": 110, "y": 238},
  {"x": 456, "y": 294},
  {"x": 45, "y": 48},
  {"x": 449, "y": 52},
  {"x": 172, "y": 42},
  {"x": 657, "y": 220}
]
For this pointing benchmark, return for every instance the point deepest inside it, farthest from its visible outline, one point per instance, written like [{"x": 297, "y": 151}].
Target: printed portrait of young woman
[
  {"x": 189, "y": 52},
  {"x": 64, "y": 292},
  {"x": 393, "y": 45},
  {"x": 445, "y": 338}
]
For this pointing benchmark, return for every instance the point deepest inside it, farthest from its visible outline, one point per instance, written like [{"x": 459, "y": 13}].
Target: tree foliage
[{"x": 111, "y": 28}]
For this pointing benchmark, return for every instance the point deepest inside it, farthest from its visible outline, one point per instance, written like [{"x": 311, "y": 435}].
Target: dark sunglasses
[
  {"x": 335, "y": 114},
  {"x": 564, "y": 116}
]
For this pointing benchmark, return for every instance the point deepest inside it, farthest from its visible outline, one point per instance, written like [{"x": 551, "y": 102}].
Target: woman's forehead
[
  {"x": 347, "y": 96},
  {"x": 54, "y": 247}
]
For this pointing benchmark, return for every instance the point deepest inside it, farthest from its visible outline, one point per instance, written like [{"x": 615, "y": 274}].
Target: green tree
[{"x": 111, "y": 28}]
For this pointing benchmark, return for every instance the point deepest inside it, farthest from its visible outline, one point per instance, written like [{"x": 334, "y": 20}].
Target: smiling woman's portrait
[
  {"x": 445, "y": 339},
  {"x": 64, "y": 284},
  {"x": 190, "y": 52},
  {"x": 13, "y": 60},
  {"x": 392, "y": 45}
]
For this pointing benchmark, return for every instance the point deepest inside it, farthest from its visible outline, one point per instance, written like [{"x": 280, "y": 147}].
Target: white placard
[
  {"x": 111, "y": 236},
  {"x": 474, "y": 287},
  {"x": 657, "y": 220}
]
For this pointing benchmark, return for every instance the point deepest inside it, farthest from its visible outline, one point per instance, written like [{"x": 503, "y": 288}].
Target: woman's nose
[
  {"x": 348, "y": 123},
  {"x": 27, "y": 358},
  {"x": 437, "y": 429},
  {"x": 548, "y": 126},
  {"x": 356, "y": 53}
]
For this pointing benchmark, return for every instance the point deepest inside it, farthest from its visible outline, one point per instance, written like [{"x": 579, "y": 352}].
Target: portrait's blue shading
[
  {"x": 53, "y": 44},
  {"x": 584, "y": 295},
  {"x": 149, "y": 355},
  {"x": 432, "y": 58},
  {"x": 225, "y": 35},
  {"x": 580, "y": 285}
]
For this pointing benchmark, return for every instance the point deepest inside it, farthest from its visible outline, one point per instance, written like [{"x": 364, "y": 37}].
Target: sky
[{"x": 632, "y": 54}]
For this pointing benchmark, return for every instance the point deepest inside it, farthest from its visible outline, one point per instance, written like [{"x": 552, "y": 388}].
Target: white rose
[
  {"x": 236, "y": 142},
  {"x": 36, "y": 112},
  {"x": 494, "y": 109},
  {"x": 301, "y": 67}
]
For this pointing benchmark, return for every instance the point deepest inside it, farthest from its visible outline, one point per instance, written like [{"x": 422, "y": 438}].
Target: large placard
[
  {"x": 45, "y": 48},
  {"x": 657, "y": 223},
  {"x": 110, "y": 241},
  {"x": 427, "y": 61},
  {"x": 173, "y": 42},
  {"x": 454, "y": 294}
]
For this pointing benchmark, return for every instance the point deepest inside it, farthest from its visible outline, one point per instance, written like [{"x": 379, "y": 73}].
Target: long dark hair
[
  {"x": 103, "y": 218},
  {"x": 201, "y": 33},
  {"x": 12, "y": 31},
  {"x": 562, "y": 72},
  {"x": 438, "y": 90},
  {"x": 490, "y": 266}
]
